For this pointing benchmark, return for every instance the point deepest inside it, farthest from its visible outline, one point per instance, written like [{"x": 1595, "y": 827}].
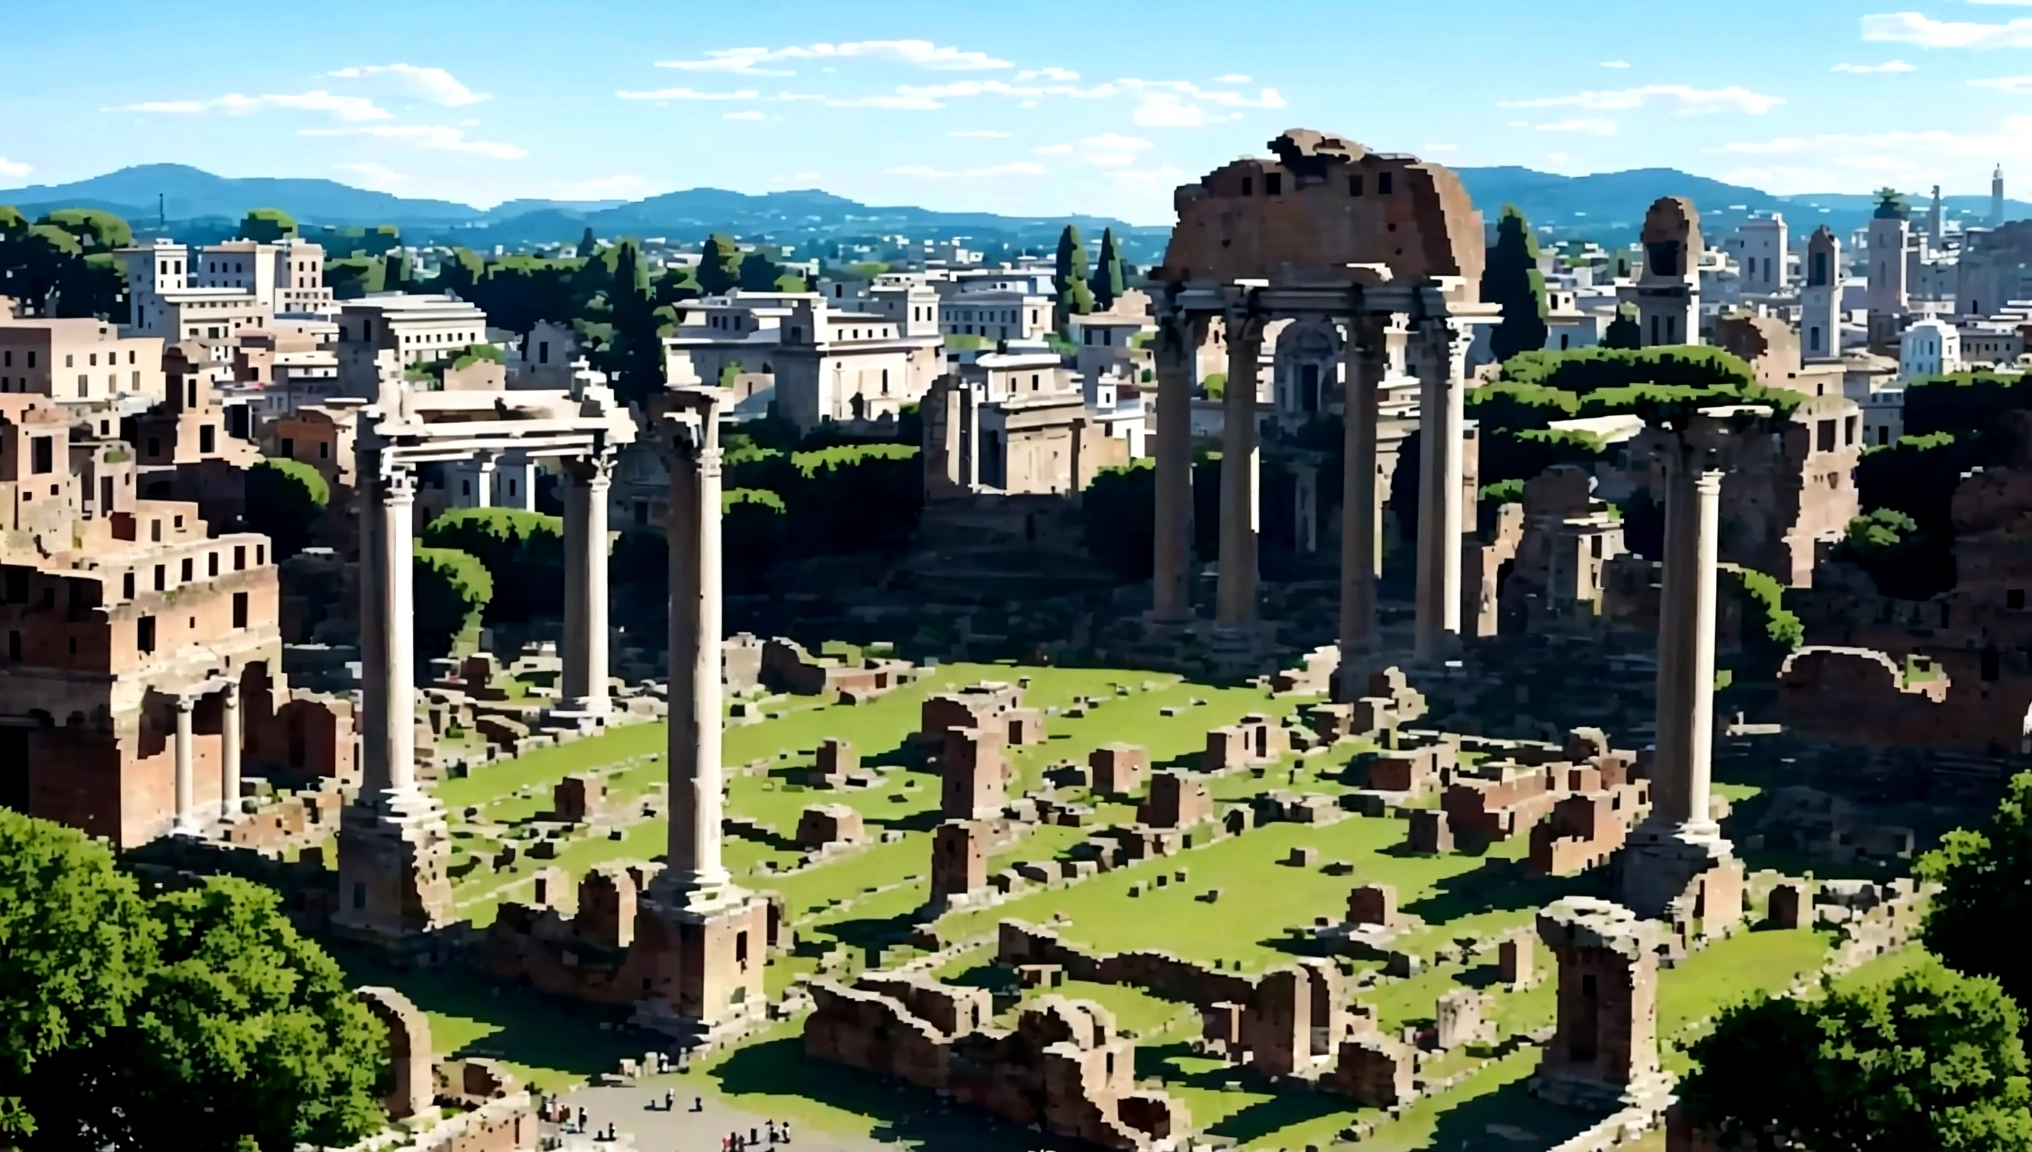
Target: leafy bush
[
  {"x": 522, "y": 551},
  {"x": 452, "y": 590},
  {"x": 284, "y": 500}
]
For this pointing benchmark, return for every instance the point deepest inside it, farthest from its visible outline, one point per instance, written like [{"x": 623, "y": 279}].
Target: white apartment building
[
  {"x": 417, "y": 329},
  {"x": 820, "y": 365},
  {"x": 78, "y": 360},
  {"x": 996, "y": 315},
  {"x": 179, "y": 293},
  {"x": 1928, "y": 348},
  {"x": 1759, "y": 247}
]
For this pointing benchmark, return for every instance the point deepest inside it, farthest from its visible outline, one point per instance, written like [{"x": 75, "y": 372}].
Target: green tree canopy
[
  {"x": 1118, "y": 520},
  {"x": 76, "y": 943},
  {"x": 245, "y": 1028},
  {"x": 759, "y": 273},
  {"x": 1771, "y": 631},
  {"x": 1985, "y": 878},
  {"x": 636, "y": 357},
  {"x": 97, "y": 231},
  {"x": 1623, "y": 332},
  {"x": 1901, "y": 559},
  {"x": 1584, "y": 370},
  {"x": 522, "y": 551},
  {"x": 719, "y": 269},
  {"x": 452, "y": 591},
  {"x": 1512, "y": 279},
  {"x": 1930, "y": 1060},
  {"x": 267, "y": 225},
  {"x": 1108, "y": 282},
  {"x": 461, "y": 270},
  {"x": 12, "y": 222},
  {"x": 284, "y": 499}
]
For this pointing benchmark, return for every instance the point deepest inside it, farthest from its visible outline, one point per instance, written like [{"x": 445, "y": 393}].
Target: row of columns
[
  {"x": 388, "y": 609},
  {"x": 1439, "y": 360},
  {"x": 184, "y": 758}
]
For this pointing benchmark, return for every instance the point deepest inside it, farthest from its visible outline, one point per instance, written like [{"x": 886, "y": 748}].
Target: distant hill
[{"x": 1608, "y": 207}]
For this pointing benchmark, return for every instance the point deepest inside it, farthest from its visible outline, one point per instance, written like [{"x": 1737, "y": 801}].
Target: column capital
[
  {"x": 594, "y": 469},
  {"x": 186, "y": 703},
  {"x": 396, "y": 484},
  {"x": 230, "y": 690},
  {"x": 1708, "y": 481}
]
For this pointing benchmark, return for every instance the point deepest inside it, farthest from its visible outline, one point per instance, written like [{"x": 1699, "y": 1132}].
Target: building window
[
  {"x": 14, "y": 645},
  {"x": 1273, "y": 184},
  {"x": 1383, "y": 183},
  {"x": 144, "y": 635},
  {"x": 207, "y": 439},
  {"x": 127, "y": 586},
  {"x": 161, "y": 577},
  {"x": 211, "y": 563},
  {"x": 42, "y": 455},
  {"x": 1354, "y": 185},
  {"x": 189, "y": 570},
  {"x": 239, "y": 609},
  {"x": 239, "y": 557}
]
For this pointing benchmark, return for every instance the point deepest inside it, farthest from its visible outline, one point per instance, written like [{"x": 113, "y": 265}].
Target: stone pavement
[{"x": 643, "y": 1129}]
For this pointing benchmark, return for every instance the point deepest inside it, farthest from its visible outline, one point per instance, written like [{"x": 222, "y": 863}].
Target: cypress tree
[
  {"x": 1069, "y": 278},
  {"x": 1512, "y": 279},
  {"x": 1108, "y": 281},
  {"x": 588, "y": 243},
  {"x": 719, "y": 267},
  {"x": 1623, "y": 331}
]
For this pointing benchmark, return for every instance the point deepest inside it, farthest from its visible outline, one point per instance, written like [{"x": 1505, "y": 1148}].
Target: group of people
[{"x": 779, "y": 1133}]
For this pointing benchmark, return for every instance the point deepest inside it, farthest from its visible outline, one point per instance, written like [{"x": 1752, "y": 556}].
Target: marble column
[
  {"x": 1171, "y": 577},
  {"x": 1441, "y": 417},
  {"x": 483, "y": 480},
  {"x": 1361, "y": 369},
  {"x": 186, "y": 770},
  {"x": 585, "y": 585},
  {"x": 230, "y": 738},
  {"x": 388, "y": 641},
  {"x": 1235, "y": 598},
  {"x": 694, "y": 866},
  {"x": 1681, "y": 780}
]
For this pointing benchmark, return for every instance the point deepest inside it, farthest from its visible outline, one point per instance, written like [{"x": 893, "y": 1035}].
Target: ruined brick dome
[{"x": 1317, "y": 204}]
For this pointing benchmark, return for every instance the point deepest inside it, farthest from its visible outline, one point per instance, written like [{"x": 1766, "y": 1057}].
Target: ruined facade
[{"x": 1604, "y": 1052}]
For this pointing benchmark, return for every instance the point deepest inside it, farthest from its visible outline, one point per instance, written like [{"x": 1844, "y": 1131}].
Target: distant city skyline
[{"x": 1047, "y": 109}]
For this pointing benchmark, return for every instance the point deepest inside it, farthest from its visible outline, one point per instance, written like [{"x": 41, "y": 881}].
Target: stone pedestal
[
  {"x": 392, "y": 881},
  {"x": 1670, "y": 872},
  {"x": 1604, "y": 1054},
  {"x": 703, "y": 958}
]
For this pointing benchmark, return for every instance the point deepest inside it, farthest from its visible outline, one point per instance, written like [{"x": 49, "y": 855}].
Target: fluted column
[
  {"x": 1235, "y": 599},
  {"x": 229, "y": 751},
  {"x": 1442, "y": 416},
  {"x": 387, "y": 640},
  {"x": 694, "y": 864},
  {"x": 585, "y": 584},
  {"x": 1361, "y": 370},
  {"x": 186, "y": 770},
  {"x": 1178, "y": 338}
]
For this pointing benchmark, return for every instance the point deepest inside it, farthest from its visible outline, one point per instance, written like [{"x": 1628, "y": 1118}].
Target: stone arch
[{"x": 409, "y": 1051}]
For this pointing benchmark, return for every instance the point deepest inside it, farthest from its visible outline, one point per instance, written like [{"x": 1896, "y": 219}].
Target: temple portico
[
  {"x": 393, "y": 841},
  {"x": 1385, "y": 249}
]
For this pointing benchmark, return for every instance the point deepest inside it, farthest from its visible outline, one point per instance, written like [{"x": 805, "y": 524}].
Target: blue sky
[{"x": 1038, "y": 107}]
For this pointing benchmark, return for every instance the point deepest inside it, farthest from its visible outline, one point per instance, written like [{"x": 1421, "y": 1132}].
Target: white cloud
[
  {"x": 430, "y": 137},
  {"x": 1148, "y": 178},
  {"x": 1689, "y": 100},
  {"x": 371, "y": 175},
  {"x": 1815, "y": 163},
  {"x": 751, "y": 114},
  {"x": 978, "y": 134},
  {"x": 1053, "y": 149},
  {"x": 2016, "y": 85},
  {"x": 1165, "y": 110},
  {"x": 905, "y": 103},
  {"x": 1914, "y": 28},
  {"x": 348, "y": 108},
  {"x": 925, "y": 172},
  {"x": 14, "y": 168},
  {"x": 1231, "y": 78},
  {"x": 433, "y": 84},
  {"x": 1615, "y": 64},
  {"x": 1061, "y": 75},
  {"x": 914, "y": 53},
  {"x": 1111, "y": 150},
  {"x": 689, "y": 94},
  {"x": 1585, "y": 126},
  {"x": 1886, "y": 66}
]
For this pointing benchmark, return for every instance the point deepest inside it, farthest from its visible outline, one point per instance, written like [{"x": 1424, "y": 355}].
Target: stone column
[
  {"x": 387, "y": 636},
  {"x": 1441, "y": 416},
  {"x": 186, "y": 771},
  {"x": 585, "y": 584},
  {"x": 1685, "y": 737},
  {"x": 694, "y": 865},
  {"x": 483, "y": 480},
  {"x": 1361, "y": 370},
  {"x": 230, "y": 738},
  {"x": 1177, "y": 354},
  {"x": 1235, "y": 600}
]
